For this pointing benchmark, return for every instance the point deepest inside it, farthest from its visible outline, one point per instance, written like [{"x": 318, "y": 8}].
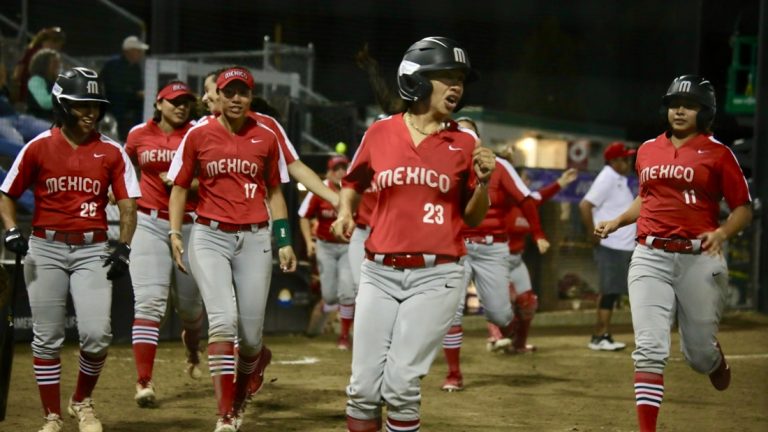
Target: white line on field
[
  {"x": 727, "y": 356},
  {"x": 301, "y": 361}
]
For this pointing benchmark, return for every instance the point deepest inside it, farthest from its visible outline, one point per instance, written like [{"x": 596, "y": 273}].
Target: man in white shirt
[{"x": 608, "y": 197}]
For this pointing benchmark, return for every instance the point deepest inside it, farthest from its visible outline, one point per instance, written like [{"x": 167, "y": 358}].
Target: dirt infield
[{"x": 563, "y": 387}]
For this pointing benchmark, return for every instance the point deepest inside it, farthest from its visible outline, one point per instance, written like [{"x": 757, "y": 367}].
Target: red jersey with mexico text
[
  {"x": 70, "y": 184},
  {"x": 505, "y": 189},
  {"x": 681, "y": 189},
  {"x": 234, "y": 170},
  {"x": 422, "y": 190},
  {"x": 153, "y": 150},
  {"x": 315, "y": 207}
]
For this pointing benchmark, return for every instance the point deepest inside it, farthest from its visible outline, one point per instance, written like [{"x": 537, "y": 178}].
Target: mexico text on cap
[
  {"x": 617, "y": 150},
  {"x": 232, "y": 74},
  {"x": 133, "y": 42},
  {"x": 174, "y": 90}
]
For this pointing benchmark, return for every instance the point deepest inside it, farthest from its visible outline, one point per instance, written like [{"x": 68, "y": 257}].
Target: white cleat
[
  {"x": 53, "y": 423},
  {"x": 498, "y": 345},
  {"x": 193, "y": 370},
  {"x": 86, "y": 416},
  {"x": 226, "y": 424},
  {"x": 145, "y": 395},
  {"x": 605, "y": 343}
]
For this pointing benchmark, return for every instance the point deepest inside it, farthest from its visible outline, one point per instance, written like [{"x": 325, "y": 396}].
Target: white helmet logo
[
  {"x": 459, "y": 55},
  {"x": 93, "y": 87}
]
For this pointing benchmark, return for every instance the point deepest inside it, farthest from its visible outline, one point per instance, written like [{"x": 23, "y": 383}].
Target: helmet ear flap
[
  {"x": 704, "y": 119},
  {"x": 414, "y": 87}
]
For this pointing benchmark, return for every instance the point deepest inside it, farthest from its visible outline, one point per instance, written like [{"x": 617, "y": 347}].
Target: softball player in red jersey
[
  {"x": 288, "y": 155},
  {"x": 332, "y": 260},
  {"x": 678, "y": 270},
  {"x": 151, "y": 146},
  {"x": 488, "y": 261},
  {"x": 524, "y": 300},
  {"x": 424, "y": 168},
  {"x": 236, "y": 159},
  {"x": 71, "y": 167}
]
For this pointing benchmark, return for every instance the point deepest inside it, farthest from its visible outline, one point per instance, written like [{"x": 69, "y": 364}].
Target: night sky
[{"x": 602, "y": 62}]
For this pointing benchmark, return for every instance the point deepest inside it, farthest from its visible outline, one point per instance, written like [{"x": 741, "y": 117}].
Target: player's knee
[
  {"x": 222, "y": 330},
  {"x": 499, "y": 316},
  {"x": 331, "y": 299},
  {"x": 702, "y": 359},
  {"x": 526, "y": 304},
  {"x": 608, "y": 301},
  {"x": 95, "y": 343}
]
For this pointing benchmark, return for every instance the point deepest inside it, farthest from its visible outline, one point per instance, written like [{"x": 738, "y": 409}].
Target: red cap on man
[
  {"x": 232, "y": 74},
  {"x": 337, "y": 160},
  {"x": 617, "y": 150},
  {"x": 174, "y": 90}
]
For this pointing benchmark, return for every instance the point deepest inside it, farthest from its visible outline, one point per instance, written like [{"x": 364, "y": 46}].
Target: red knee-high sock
[
  {"x": 494, "y": 332},
  {"x": 190, "y": 335},
  {"x": 402, "y": 425},
  {"x": 246, "y": 366},
  {"x": 221, "y": 363},
  {"x": 48, "y": 376},
  {"x": 145, "y": 336},
  {"x": 90, "y": 369},
  {"x": 347, "y": 316},
  {"x": 525, "y": 307},
  {"x": 452, "y": 349},
  {"x": 358, "y": 425},
  {"x": 649, "y": 391}
]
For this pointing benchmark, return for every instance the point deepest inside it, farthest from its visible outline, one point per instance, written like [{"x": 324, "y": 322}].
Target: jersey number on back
[
  {"x": 434, "y": 214},
  {"x": 690, "y": 196}
]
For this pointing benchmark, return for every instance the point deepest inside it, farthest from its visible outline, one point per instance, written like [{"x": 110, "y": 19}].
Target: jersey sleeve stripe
[
  {"x": 129, "y": 176},
  {"x": 14, "y": 171},
  {"x": 736, "y": 161},
  {"x": 515, "y": 177},
  {"x": 305, "y": 204},
  {"x": 138, "y": 126},
  {"x": 178, "y": 159},
  {"x": 282, "y": 165}
]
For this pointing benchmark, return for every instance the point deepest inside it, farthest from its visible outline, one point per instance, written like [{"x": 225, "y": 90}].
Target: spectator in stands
[
  {"x": 43, "y": 70},
  {"x": 50, "y": 38},
  {"x": 15, "y": 129},
  {"x": 124, "y": 82}
]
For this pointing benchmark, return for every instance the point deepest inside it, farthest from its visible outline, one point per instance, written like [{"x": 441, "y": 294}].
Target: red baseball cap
[
  {"x": 174, "y": 90},
  {"x": 337, "y": 160},
  {"x": 232, "y": 74},
  {"x": 617, "y": 150}
]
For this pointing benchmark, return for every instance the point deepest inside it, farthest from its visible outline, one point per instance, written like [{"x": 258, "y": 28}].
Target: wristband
[
  {"x": 282, "y": 232},
  {"x": 175, "y": 232}
]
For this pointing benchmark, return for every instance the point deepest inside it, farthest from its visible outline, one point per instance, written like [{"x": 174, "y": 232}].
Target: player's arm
[
  {"x": 304, "y": 175},
  {"x": 344, "y": 224},
  {"x": 127, "y": 209},
  {"x": 306, "y": 232},
  {"x": 176, "y": 203},
  {"x": 629, "y": 216},
  {"x": 585, "y": 209},
  {"x": 8, "y": 211},
  {"x": 279, "y": 211},
  {"x": 483, "y": 163}
]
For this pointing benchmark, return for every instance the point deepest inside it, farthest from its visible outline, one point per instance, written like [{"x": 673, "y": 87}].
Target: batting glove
[
  {"x": 15, "y": 242},
  {"x": 118, "y": 261}
]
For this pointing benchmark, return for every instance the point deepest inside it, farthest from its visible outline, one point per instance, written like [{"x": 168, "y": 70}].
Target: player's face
[
  {"x": 211, "y": 98},
  {"x": 447, "y": 90},
  {"x": 86, "y": 116},
  {"x": 175, "y": 111},
  {"x": 235, "y": 99},
  {"x": 681, "y": 114},
  {"x": 336, "y": 173}
]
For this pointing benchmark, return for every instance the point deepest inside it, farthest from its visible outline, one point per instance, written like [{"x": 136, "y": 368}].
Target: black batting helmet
[
  {"x": 697, "y": 89},
  {"x": 430, "y": 54},
  {"x": 77, "y": 85}
]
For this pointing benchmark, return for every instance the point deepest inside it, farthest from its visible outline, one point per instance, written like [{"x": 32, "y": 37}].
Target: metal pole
[
  {"x": 23, "y": 30},
  {"x": 131, "y": 17}
]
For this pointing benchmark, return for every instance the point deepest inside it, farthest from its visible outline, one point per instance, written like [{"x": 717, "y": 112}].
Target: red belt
[
  {"x": 72, "y": 238},
  {"x": 487, "y": 239},
  {"x": 229, "y": 227},
  {"x": 163, "y": 214},
  {"x": 676, "y": 245},
  {"x": 408, "y": 261}
]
